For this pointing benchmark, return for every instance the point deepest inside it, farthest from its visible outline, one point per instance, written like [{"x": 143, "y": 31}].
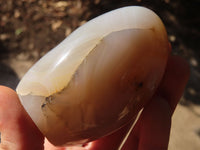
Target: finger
[
  {"x": 152, "y": 129},
  {"x": 17, "y": 129},
  {"x": 174, "y": 80}
]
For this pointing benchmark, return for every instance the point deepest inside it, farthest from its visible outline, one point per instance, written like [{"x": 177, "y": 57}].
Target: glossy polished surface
[{"x": 98, "y": 78}]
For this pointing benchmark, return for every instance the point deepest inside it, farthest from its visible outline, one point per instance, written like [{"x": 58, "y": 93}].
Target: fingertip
[
  {"x": 17, "y": 129},
  {"x": 153, "y": 127},
  {"x": 174, "y": 81},
  {"x": 7, "y": 93},
  {"x": 180, "y": 65},
  {"x": 156, "y": 124},
  {"x": 8, "y": 98}
]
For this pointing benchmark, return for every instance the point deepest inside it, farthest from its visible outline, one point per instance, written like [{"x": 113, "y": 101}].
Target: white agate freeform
[{"x": 98, "y": 78}]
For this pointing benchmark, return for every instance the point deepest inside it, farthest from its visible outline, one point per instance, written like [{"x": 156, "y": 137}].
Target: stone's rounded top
[{"x": 54, "y": 71}]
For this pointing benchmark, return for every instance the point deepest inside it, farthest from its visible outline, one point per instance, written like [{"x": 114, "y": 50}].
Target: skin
[{"x": 151, "y": 132}]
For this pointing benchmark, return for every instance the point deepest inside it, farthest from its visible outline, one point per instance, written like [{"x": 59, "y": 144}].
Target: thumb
[{"x": 17, "y": 129}]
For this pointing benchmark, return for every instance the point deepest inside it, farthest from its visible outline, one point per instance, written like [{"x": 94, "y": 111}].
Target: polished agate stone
[{"x": 98, "y": 78}]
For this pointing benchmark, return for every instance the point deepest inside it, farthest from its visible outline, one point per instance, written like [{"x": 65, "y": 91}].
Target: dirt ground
[{"x": 30, "y": 28}]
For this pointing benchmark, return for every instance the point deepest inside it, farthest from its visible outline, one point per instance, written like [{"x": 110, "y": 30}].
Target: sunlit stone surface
[{"x": 98, "y": 78}]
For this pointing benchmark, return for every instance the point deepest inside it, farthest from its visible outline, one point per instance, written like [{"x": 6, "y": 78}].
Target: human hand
[{"x": 150, "y": 132}]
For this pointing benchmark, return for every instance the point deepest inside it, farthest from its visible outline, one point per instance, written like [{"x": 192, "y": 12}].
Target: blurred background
[{"x": 30, "y": 28}]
